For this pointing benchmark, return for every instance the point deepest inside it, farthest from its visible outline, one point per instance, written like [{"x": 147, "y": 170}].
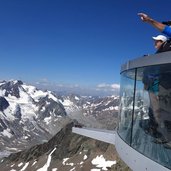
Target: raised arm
[{"x": 154, "y": 23}]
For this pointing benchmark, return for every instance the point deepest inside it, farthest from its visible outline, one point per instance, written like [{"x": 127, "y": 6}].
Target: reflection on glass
[
  {"x": 146, "y": 126},
  {"x": 152, "y": 113},
  {"x": 126, "y": 105}
]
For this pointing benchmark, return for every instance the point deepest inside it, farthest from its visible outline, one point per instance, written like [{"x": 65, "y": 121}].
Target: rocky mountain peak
[
  {"x": 11, "y": 87},
  {"x": 51, "y": 107},
  {"x": 25, "y": 113}
]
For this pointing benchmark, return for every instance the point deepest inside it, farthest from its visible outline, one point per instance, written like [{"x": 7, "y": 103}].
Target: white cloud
[
  {"x": 116, "y": 86},
  {"x": 108, "y": 87},
  {"x": 102, "y": 85},
  {"x": 43, "y": 81},
  {"x": 100, "y": 89}
]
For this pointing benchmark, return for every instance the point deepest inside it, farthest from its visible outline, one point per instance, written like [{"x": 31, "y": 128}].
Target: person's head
[
  {"x": 168, "y": 23},
  {"x": 159, "y": 40}
]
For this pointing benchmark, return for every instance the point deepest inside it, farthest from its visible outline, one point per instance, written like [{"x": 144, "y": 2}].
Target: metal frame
[
  {"x": 107, "y": 136},
  {"x": 134, "y": 159},
  {"x": 156, "y": 59}
]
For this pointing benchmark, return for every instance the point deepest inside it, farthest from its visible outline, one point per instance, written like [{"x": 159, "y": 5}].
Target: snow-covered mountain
[
  {"x": 27, "y": 114},
  {"x": 96, "y": 112},
  {"x": 30, "y": 116},
  {"x": 104, "y": 109}
]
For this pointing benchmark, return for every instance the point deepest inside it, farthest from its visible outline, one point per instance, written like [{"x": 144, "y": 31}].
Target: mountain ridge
[
  {"x": 34, "y": 116},
  {"x": 78, "y": 151}
]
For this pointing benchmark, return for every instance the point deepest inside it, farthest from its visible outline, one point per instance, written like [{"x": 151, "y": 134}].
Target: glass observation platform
[
  {"x": 145, "y": 107},
  {"x": 143, "y": 135}
]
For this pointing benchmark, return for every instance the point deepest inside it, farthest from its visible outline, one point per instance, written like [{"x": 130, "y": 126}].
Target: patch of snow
[
  {"x": 70, "y": 164},
  {"x": 116, "y": 107},
  {"x": 72, "y": 169},
  {"x": 6, "y": 132},
  {"x": 43, "y": 109},
  {"x": 9, "y": 148},
  {"x": 76, "y": 98},
  {"x": 35, "y": 94},
  {"x": 20, "y": 164},
  {"x": 48, "y": 119},
  {"x": 81, "y": 162},
  {"x": 34, "y": 163},
  {"x": 25, "y": 137},
  {"x": 54, "y": 169},
  {"x": 25, "y": 166},
  {"x": 25, "y": 102},
  {"x": 30, "y": 89},
  {"x": 100, "y": 161},
  {"x": 10, "y": 110},
  {"x": 12, "y": 165},
  {"x": 112, "y": 108},
  {"x": 64, "y": 160},
  {"x": 67, "y": 102},
  {"x": 2, "y": 92},
  {"x": 51, "y": 96},
  {"x": 48, "y": 103},
  {"x": 24, "y": 97},
  {"x": 85, "y": 157},
  {"x": 46, "y": 166}
]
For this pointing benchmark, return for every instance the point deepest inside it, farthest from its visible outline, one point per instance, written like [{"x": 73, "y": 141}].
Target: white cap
[{"x": 160, "y": 37}]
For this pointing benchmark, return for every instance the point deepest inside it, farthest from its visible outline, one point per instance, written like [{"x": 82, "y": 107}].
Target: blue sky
[{"x": 74, "y": 42}]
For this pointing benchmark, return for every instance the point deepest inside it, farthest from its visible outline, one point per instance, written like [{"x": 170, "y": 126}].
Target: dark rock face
[
  {"x": 61, "y": 141},
  {"x": 17, "y": 113},
  {"x": 52, "y": 107},
  {"x": 2, "y": 125},
  {"x": 12, "y": 88},
  {"x": 3, "y": 104}
]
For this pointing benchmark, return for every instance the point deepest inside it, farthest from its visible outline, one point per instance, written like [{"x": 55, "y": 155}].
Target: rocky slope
[{"x": 65, "y": 151}]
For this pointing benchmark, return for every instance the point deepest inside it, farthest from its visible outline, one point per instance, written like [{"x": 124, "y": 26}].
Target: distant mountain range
[{"x": 30, "y": 116}]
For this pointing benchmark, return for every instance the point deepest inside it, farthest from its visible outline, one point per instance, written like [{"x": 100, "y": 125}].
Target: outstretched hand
[
  {"x": 144, "y": 17},
  {"x": 158, "y": 25}
]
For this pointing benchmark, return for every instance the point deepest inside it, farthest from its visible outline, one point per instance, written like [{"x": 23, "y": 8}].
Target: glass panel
[
  {"x": 126, "y": 105},
  {"x": 152, "y": 115}
]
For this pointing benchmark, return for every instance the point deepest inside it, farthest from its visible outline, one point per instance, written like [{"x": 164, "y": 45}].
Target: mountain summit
[{"x": 27, "y": 114}]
